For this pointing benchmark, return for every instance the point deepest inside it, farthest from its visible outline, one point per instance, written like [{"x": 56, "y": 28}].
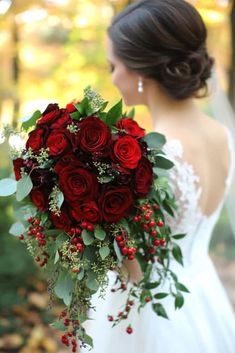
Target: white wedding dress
[{"x": 206, "y": 322}]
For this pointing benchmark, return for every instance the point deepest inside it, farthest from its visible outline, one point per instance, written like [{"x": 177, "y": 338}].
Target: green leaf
[
  {"x": 155, "y": 140},
  {"x": 125, "y": 225},
  {"x": 114, "y": 114},
  {"x": 131, "y": 113},
  {"x": 104, "y": 252},
  {"x": 163, "y": 163},
  {"x": 117, "y": 251},
  {"x": 179, "y": 236},
  {"x": 31, "y": 121},
  {"x": 99, "y": 233},
  {"x": 88, "y": 340},
  {"x": 92, "y": 282},
  {"x": 179, "y": 301},
  {"x": 161, "y": 295},
  {"x": 57, "y": 257},
  {"x": 181, "y": 287},
  {"x": 17, "y": 229},
  {"x": 87, "y": 238},
  {"x": 83, "y": 318},
  {"x": 82, "y": 106},
  {"x": 177, "y": 253},
  {"x": 64, "y": 287},
  {"x": 152, "y": 285},
  {"x": 59, "y": 325},
  {"x": 60, "y": 199},
  {"x": 7, "y": 187},
  {"x": 159, "y": 310},
  {"x": 75, "y": 115},
  {"x": 24, "y": 186},
  {"x": 56, "y": 232},
  {"x": 80, "y": 274}
]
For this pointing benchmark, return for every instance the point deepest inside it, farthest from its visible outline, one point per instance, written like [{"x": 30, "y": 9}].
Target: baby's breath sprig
[
  {"x": 42, "y": 158},
  {"x": 95, "y": 99},
  {"x": 56, "y": 199}
]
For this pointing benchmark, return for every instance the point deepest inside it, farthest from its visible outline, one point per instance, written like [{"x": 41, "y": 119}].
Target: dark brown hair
[{"x": 164, "y": 40}]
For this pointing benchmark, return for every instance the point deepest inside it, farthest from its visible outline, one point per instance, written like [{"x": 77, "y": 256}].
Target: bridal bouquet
[{"x": 94, "y": 190}]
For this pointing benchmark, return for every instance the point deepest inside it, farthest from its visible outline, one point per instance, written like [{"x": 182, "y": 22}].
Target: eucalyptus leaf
[
  {"x": 59, "y": 325},
  {"x": 60, "y": 199},
  {"x": 163, "y": 163},
  {"x": 87, "y": 238},
  {"x": 80, "y": 274},
  {"x": 57, "y": 257},
  {"x": 24, "y": 186},
  {"x": 155, "y": 140},
  {"x": 104, "y": 252},
  {"x": 100, "y": 233},
  {"x": 64, "y": 287},
  {"x": 7, "y": 187},
  {"x": 32, "y": 120},
  {"x": 117, "y": 251},
  {"x": 17, "y": 229}
]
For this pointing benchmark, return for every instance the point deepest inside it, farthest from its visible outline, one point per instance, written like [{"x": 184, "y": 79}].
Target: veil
[{"x": 222, "y": 111}]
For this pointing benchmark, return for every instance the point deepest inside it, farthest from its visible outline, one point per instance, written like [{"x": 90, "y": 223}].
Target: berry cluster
[
  {"x": 122, "y": 315},
  {"x": 76, "y": 241},
  {"x": 69, "y": 338},
  {"x": 124, "y": 248}
]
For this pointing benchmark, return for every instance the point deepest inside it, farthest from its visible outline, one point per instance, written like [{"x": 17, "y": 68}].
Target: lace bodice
[{"x": 189, "y": 217}]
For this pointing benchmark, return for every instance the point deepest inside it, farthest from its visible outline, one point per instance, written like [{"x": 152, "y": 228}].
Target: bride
[{"x": 158, "y": 58}]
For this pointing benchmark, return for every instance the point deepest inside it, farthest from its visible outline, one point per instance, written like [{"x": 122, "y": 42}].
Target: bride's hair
[{"x": 164, "y": 40}]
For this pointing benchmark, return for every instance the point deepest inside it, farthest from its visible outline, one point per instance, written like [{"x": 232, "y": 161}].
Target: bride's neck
[{"x": 165, "y": 110}]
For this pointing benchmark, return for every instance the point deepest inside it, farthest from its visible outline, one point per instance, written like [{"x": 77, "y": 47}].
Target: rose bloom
[
  {"x": 87, "y": 211},
  {"x": 51, "y": 113},
  {"x": 78, "y": 183},
  {"x": 143, "y": 178},
  {"x": 94, "y": 134},
  {"x": 39, "y": 197},
  {"x": 63, "y": 221},
  {"x": 62, "y": 120},
  {"x": 127, "y": 152},
  {"x": 68, "y": 159},
  {"x": 58, "y": 142},
  {"x": 131, "y": 127},
  {"x": 36, "y": 140},
  {"x": 115, "y": 202}
]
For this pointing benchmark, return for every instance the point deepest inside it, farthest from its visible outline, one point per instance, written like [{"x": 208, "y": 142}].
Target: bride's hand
[{"x": 132, "y": 270}]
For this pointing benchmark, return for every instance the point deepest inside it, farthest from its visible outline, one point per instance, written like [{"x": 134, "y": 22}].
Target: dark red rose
[
  {"x": 127, "y": 152},
  {"x": 42, "y": 177},
  {"x": 59, "y": 142},
  {"x": 131, "y": 127},
  {"x": 78, "y": 183},
  {"x": 39, "y": 196},
  {"x": 115, "y": 202},
  {"x": 36, "y": 139},
  {"x": 51, "y": 113},
  {"x": 63, "y": 120},
  {"x": 67, "y": 159},
  {"x": 87, "y": 211},
  {"x": 63, "y": 221},
  {"x": 18, "y": 164},
  {"x": 143, "y": 178},
  {"x": 94, "y": 134}
]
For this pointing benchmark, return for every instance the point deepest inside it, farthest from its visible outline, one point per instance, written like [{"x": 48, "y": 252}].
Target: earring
[{"x": 140, "y": 85}]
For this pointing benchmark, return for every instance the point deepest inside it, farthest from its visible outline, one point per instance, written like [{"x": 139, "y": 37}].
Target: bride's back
[{"x": 205, "y": 148}]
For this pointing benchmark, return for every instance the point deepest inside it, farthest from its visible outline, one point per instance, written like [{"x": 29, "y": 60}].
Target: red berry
[
  {"x": 78, "y": 231},
  {"x": 119, "y": 238},
  {"x": 147, "y": 217},
  {"x": 129, "y": 330},
  {"x": 148, "y": 206},
  {"x": 151, "y": 250},
  {"x": 121, "y": 244},
  {"x": 136, "y": 219},
  {"x": 131, "y": 302},
  {"x": 123, "y": 286},
  {"x": 75, "y": 270},
  {"x": 131, "y": 257},
  {"x": 160, "y": 223},
  {"x": 153, "y": 232},
  {"x": 83, "y": 224},
  {"x": 76, "y": 322},
  {"x": 110, "y": 318},
  {"x": 148, "y": 299},
  {"x": 124, "y": 250},
  {"x": 79, "y": 247},
  {"x": 152, "y": 223},
  {"x": 157, "y": 242},
  {"x": 90, "y": 227},
  {"x": 74, "y": 241},
  {"x": 66, "y": 322},
  {"x": 144, "y": 226},
  {"x": 163, "y": 242},
  {"x": 156, "y": 207},
  {"x": 21, "y": 237}
]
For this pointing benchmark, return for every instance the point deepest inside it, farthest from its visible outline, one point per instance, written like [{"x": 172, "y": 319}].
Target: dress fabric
[{"x": 206, "y": 322}]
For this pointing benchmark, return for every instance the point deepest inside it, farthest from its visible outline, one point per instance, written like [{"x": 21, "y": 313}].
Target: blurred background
[{"x": 50, "y": 50}]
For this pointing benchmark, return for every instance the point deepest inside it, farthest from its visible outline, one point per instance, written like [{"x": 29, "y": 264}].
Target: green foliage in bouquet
[{"x": 95, "y": 191}]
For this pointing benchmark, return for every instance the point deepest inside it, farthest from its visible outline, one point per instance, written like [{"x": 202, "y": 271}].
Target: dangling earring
[{"x": 140, "y": 85}]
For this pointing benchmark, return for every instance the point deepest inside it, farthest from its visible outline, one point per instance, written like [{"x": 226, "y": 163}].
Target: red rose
[
  {"x": 78, "y": 183},
  {"x": 131, "y": 127},
  {"x": 63, "y": 221},
  {"x": 143, "y": 178},
  {"x": 94, "y": 134},
  {"x": 127, "y": 152},
  {"x": 18, "y": 164},
  {"x": 64, "y": 161},
  {"x": 49, "y": 115},
  {"x": 115, "y": 203},
  {"x": 40, "y": 199},
  {"x": 36, "y": 140},
  {"x": 87, "y": 211},
  {"x": 58, "y": 142},
  {"x": 62, "y": 120}
]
